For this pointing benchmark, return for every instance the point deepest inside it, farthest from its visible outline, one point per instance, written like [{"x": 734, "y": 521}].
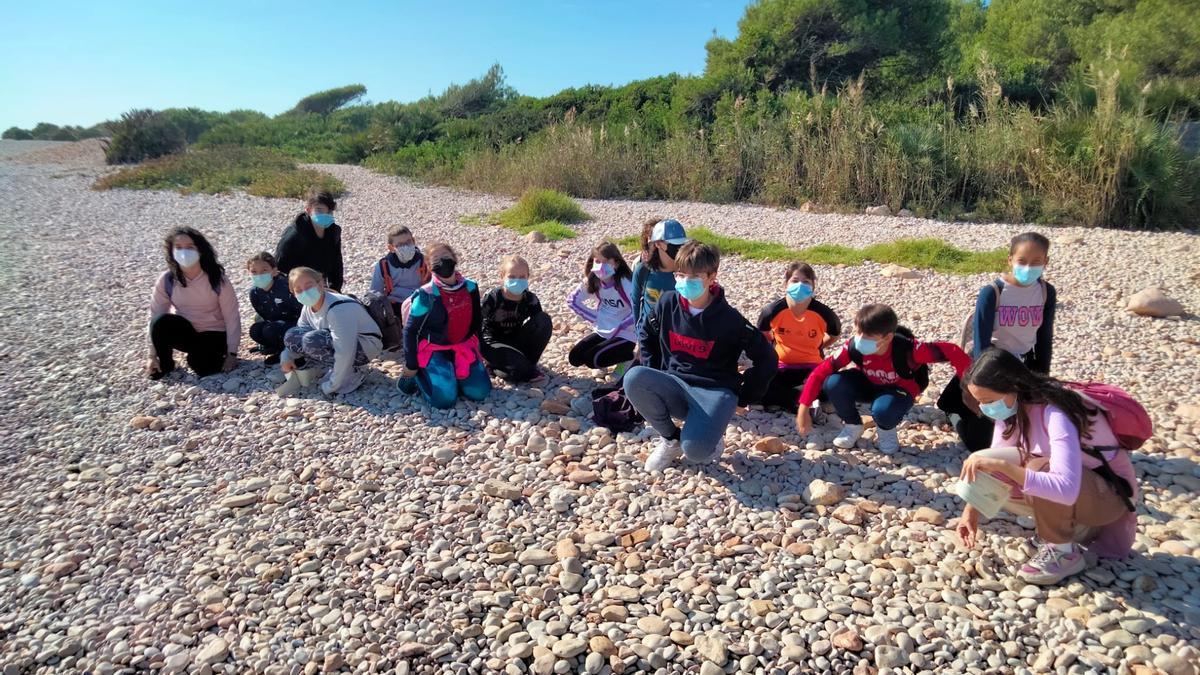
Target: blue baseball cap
[{"x": 670, "y": 231}]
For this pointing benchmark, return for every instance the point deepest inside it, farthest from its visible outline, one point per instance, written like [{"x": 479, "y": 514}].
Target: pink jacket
[
  {"x": 1052, "y": 435},
  {"x": 197, "y": 302}
]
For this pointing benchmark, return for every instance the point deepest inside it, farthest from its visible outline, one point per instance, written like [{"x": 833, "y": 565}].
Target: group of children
[{"x": 674, "y": 342}]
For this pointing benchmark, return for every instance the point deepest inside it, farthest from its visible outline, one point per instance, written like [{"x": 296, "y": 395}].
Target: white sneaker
[
  {"x": 849, "y": 436},
  {"x": 666, "y": 454},
  {"x": 887, "y": 441},
  {"x": 290, "y": 387},
  {"x": 308, "y": 376}
]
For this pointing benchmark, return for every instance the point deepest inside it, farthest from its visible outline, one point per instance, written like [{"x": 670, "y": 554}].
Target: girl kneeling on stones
[
  {"x": 193, "y": 309},
  {"x": 441, "y": 337},
  {"x": 1067, "y": 468},
  {"x": 335, "y": 331}
]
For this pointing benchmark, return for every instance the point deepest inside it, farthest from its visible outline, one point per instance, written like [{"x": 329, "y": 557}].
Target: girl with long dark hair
[
  {"x": 1058, "y": 453},
  {"x": 193, "y": 309},
  {"x": 607, "y": 281}
]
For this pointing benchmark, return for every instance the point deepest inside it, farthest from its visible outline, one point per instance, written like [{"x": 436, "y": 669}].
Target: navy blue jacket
[
  {"x": 703, "y": 350},
  {"x": 276, "y": 303}
]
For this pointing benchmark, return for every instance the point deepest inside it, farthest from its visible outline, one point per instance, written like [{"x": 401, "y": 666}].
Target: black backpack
[
  {"x": 612, "y": 409},
  {"x": 902, "y": 360},
  {"x": 380, "y": 310}
]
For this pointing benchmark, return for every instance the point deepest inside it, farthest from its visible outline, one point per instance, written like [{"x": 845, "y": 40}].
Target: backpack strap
[
  {"x": 1119, "y": 485},
  {"x": 386, "y": 272},
  {"x": 343, "y": 302}
]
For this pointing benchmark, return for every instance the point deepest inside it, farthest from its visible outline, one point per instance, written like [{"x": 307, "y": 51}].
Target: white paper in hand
[{"x": 987, "y": 493}]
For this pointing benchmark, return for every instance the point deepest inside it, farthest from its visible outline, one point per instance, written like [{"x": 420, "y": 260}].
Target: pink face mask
[{"x": 602, "y": 270}]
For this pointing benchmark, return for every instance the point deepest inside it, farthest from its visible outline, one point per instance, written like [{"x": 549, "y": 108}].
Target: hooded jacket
[{"x": 703, "y": 350}]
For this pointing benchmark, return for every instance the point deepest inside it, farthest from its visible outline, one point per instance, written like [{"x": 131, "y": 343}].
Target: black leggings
[
  {"x": 205, "y": 350},
  {"x": 598, "y": 352},
  {"x": 784, "y": 389},
  {"x": 517, "y": 353}
]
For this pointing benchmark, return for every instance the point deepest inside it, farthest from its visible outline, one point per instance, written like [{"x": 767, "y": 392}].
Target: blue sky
[{"x": 84, "y": 62}]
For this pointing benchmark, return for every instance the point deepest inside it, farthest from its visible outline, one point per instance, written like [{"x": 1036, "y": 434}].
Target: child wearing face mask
[
  {"x": 654, "y": 274},
  {"x": 801, "y": 328},
  {"x": 442, "y": 358},
  {"x": 399, "y": 273},
  {"x": 335, "y": 332},
  {"x": 314, "y": 240},
  {"x": 1062, "y": 460},
  {"x": 193, "y": 309},
  {"x": 691, "y": 347},
  {"x": 1015, "y": 313},
  {"x": 515, "y": 329},
  {"x": 608, "y": 281},
  {"x": 276, "y": 308},
  {"x": 890, "y": 375}
]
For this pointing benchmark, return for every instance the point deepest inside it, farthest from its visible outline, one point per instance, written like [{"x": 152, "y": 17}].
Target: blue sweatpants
[
  {"x": 441, "y": 388},
  {"x": 661, "y": 396},
  {"x": 846, "y": 388}
]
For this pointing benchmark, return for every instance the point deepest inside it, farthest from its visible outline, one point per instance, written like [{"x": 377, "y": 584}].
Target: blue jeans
[
  {"x": 316, "y": 347},
  {"x": 846, "y": 388},
  {"x": 441, "y": 388},
  {"x": 661, "y": 396}
]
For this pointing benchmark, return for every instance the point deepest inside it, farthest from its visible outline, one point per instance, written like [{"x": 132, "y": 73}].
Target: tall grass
[{"x": 1090, "y": 161}]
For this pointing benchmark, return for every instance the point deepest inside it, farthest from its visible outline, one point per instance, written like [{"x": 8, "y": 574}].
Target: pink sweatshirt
[
  {"x": 1054, "y": 436},
  {"x": 199, "y": 304}
]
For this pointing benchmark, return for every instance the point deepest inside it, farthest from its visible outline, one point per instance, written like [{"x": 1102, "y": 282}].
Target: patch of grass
[
  {"x": 545, "y": 211},
  {"x": 932, "y": 254},
  {"x": 258, "y": 171}
]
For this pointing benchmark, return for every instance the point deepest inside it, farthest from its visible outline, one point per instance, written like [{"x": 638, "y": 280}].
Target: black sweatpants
[
  {"x": 517, "y": 353},
  {"x": 205, "y": 350},
  {"x": 598, "y": 352},
  {"x": 269, "y": 334}
]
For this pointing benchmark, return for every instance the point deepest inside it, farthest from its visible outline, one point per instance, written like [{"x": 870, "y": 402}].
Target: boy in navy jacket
[
  {"x": 691, "y": 350},
  {"x": 273, "y": 302}
]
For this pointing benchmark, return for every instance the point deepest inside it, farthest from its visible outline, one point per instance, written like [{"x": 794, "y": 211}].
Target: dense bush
[{"x": 143, "y": 134}]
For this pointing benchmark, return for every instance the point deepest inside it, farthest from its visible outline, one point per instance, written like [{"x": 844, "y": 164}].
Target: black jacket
[
  {"x": 429, "y": 320},
  {"x": 502, "y": 316},
  {"x": 301, "y": 247},
  {"x": 277, "y": 302},
  {"x": 703, "y": 350}
]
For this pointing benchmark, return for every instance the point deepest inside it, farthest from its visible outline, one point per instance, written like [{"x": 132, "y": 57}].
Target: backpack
[
  {"x": 612, "y": 409},
  {"x": 380, "y": 310},
  {"x": 966, "y": 338},
  {"x": 1130, "y": 423},
  {"x": 386, "y": 272},
  {"x": 902, "y": 360}
]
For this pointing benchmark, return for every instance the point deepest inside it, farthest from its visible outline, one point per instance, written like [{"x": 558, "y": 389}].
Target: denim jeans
[
  {"x": 661, "y": 396},
  {"x": 847, "y": 388},
  {"x": 438, "y": 384}
]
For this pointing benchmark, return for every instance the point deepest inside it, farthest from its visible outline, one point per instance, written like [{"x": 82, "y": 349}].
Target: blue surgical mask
[
  {"x": 998, "y": 410},
  {"x": 186, "y": 257},
  {"x": 1026, "y": 274},
  {"x": 309, "y": 297},
  {"x": 603, "y": 271},
  {"x": 263, "y": 281},
  {"x": 516, "y": 286},
  {"x": 865, "y": 345},
  {"x": 322, "y": 220},
  {"x": 691, "y": 288},
  {"x": 800, "y": 291}
]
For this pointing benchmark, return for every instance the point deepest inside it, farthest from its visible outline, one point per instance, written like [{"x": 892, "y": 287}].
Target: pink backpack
[{"x": 1130, "y": 422}]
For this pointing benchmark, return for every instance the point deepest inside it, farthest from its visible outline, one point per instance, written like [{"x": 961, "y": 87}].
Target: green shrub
[
  {"x": 142, "y": 135},
  {"x": 263, "y": 173},
  {"x": 545, "y": 211},
  {"x": 325, "y": 102}
]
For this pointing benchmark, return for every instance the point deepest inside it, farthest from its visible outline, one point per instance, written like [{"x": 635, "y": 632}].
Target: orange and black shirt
[{"x": 798, "y": 339}]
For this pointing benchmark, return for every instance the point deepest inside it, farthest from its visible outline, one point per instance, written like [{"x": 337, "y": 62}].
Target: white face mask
[
  {"x": 406, "y": 253},
  {"x": 186, "y": 257}
]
